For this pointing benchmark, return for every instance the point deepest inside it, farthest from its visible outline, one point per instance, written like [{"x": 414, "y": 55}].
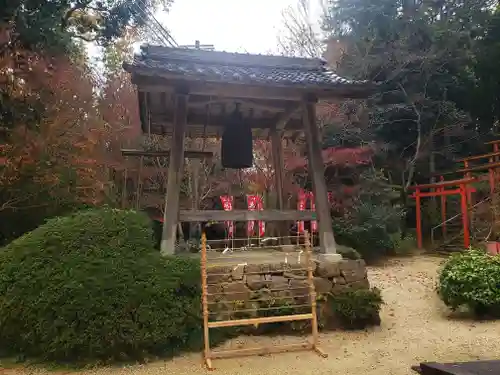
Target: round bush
[
  {"x": 471, "y": 279},
  {"x": 356, "y": 308},
  {"x": 90, "y": 287}
]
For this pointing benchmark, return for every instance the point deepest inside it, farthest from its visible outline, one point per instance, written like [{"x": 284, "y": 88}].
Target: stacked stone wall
[{"x": 244, "y": 290}]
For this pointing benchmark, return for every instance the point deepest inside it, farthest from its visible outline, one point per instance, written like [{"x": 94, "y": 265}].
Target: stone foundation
[{"x": 278, "y": 286}]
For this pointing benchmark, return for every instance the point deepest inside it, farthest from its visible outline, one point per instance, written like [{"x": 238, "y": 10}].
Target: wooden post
[
  {"x": 316, "y": 170},
  {"x": 443, "y": 210},
  {"x": 204, "y": 301},
  {"x": 138, "y": 189},
  {"x": 124, "y": 189},
  {"x": 277, "y": 153},
  {"x": 465, "y": 218},
  {"x": 418, "y": 219},
  {"x": 175, "y": 173}
]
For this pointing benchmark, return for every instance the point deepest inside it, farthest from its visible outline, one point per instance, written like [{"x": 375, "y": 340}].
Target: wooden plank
[
  {"x": 165, "y": 153},
  {"x": 198, "y": 119},
  {"x": 245, "y": 215},
  {"x": 174, "y": 179},
  {"x": 266, "y": 105},
  {"x": 317, "y": 172},
  {"x": 263, "y": 320},
  {"x": 264, "y": 350}
]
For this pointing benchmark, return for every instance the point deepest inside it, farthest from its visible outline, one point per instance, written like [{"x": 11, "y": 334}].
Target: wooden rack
[{"x": 310, "y": 315}]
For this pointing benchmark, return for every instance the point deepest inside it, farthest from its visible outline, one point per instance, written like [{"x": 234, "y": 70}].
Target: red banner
[
  {"x": 255, "y": 202},
  {"x": 303, "y": 197},
  {"x": 227, "y": 204},
  {"x": 314, "y": 223},
  {"x": 252, "y": 206},
  {"x": 301, "y": 206},
  {"x": 262, "y": 224}
]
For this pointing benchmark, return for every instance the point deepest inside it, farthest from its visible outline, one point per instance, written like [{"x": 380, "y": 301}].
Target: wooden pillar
[
  {"x": 443, "y": 209},
  {"x": 277, "y": 154},
  {"x": 465, "y": 217},
  {"x": 175, "y": 173},
  {"x": 316, "y": 170}
]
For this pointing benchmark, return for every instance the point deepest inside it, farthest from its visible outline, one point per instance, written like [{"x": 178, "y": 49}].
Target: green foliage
[
  {"x": 90, "y": 287},
  {"x": 51, "y": 25},
  {"x": 369, "y": 228},
  {"x": 356, "y": 308},
  {"x": 403, "y": 245},
  {"x": 472, "y": 280}
]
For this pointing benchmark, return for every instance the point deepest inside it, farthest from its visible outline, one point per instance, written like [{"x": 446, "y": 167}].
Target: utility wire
[{"x": 141, "y": 11}]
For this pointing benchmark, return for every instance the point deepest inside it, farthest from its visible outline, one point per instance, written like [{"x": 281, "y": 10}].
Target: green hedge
[
  {"x": 356, "y": 308},
  {"x": 90, "y": 287},
  {"x": 472, "y": 280}
]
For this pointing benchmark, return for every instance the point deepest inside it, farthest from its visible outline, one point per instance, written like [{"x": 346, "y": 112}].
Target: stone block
[
  {"x": 322, "y": 285},
  {"x": 236, "y": 291},
  {"x": 256, "y": 282},
  {"x": 339, "y": 280},
  {"x": 327, "y": 269},
  {"x": 279, "y": 283},
  {"x": 256, "y": 269},
  {"x": 237, "y": 272},
  {"x": 214, "y": 293},
  {"x": 296, "y": 276},
  {"x": 352, "y": 270},
  {"x": 218, "y": 274},
  {"x": 300, "y": 291}
]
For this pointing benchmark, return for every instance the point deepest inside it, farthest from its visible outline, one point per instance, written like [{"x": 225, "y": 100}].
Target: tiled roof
[{"x": 237, "y": 67}]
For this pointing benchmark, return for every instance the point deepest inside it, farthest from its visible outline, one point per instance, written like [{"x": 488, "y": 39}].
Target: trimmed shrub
[
  {"x": 369, "y": 229},
  {"x": 356, "y": 308},
  {"x": 471, "y": 280},
  {"x": 90, "y": 287}
]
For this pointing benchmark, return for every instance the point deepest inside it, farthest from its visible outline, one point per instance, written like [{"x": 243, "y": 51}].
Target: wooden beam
[
  {"x": 165, "y": 153},
  {"x": 198, "y": 119},
  {"x": 286, "y": 117},
  {"x": 480, "y": 168},
  {"x": 443, "y": 184},
  {"x": 265, "y": 105},
  {"x": 479, "y": 157},
  {"x": 174, "y": 179},
  {"x": 245, "y": 215},
  {"x": 156, "y": 80},
  {"x": 316, "y": 170},
  {"x": 161, "y": 82}
]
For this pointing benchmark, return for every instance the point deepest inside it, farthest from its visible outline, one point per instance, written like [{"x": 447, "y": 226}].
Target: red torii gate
[{"x": 438, "y": 189}]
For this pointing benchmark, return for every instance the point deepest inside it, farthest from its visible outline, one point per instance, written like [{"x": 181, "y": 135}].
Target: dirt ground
[{"x": 415, "y": 327}]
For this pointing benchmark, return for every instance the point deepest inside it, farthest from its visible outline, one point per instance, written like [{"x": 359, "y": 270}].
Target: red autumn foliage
[{"x": 60, "y": 156}]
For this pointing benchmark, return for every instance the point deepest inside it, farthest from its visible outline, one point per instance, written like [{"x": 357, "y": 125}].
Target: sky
[{"x": 230, "y": 25}]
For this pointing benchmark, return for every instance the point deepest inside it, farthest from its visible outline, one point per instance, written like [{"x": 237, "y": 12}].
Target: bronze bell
[{"x": 237, "y": 142}]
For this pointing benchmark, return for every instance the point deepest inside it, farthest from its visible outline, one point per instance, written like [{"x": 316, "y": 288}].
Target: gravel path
[{"x": 415, "y": 327}]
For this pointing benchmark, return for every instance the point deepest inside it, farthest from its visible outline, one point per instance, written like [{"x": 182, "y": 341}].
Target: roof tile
[{"x": 237, "y": 67}]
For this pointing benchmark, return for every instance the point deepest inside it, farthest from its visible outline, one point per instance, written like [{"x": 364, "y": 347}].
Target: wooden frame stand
[{"x": 311, "y": 316}]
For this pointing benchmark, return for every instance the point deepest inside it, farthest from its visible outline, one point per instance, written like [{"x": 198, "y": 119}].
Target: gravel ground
[{"x": 415, "y": 327}]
